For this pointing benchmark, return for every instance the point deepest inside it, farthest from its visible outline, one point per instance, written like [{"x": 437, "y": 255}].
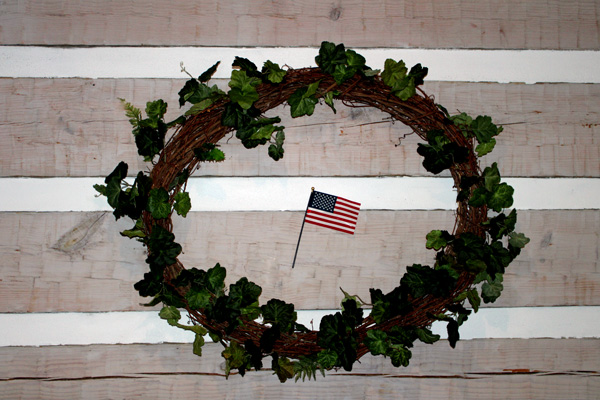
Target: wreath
[{"x": 469, "y": 261}]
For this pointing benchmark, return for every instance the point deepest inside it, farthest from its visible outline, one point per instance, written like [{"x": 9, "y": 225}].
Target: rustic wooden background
[{"x": 75, "y": 128}]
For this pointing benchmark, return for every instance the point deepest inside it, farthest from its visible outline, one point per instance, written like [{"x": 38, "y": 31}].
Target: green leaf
[
  {"x": 377, "y": 342},
  {"x": 479, "y": 197},
  {"x": 206, "y": 75},
  {"x": 330, "y": 56},
  {"x": 155, "y": 110},
  {"x": 274, "y": 73},
  {"x": 280, "y": 313},
  {"x": 247, "y": 66},
  {"x": 426, "y": 336},
  {"x": 484, "y": 148},
  {"x": 475, "y": 266},
  {"x": 405, "y": 88},
  {"x": 243, "y": 89},
  {"x": 302, "y": 102},
  {"x": 501, "y": 225},
  {"x": 150, "y": 285},
  {"x": 163, "y": 250},
  {"x": 198, "y": 299},
  {"x": 170, "y": 313},
  {"x": 399, "y": 355},
  {"x": 453, "y": 335},
  {"x": 158, "y": 203},
  {"x": 491, "y": 177},
  {"x": 418, "y": 73},
  {"x": 244, "y": 293},
  {"x": 215, "y": 279},
  {"x": 437, "y": 239},
  {"x": 198, "y": 343},
  {"x": 327, "y": 358},
  {"x": 502, "y": 197},
  {"x": 135, "y": 232},
  {"x": 354, "y": 59},
  {"x": 474, "y": 299},
  {"x": 182, "y": 204},
  {"x": 235, "y": 358},
  {"x": 490, "y": 291},
  {"x": 328, "y": 97},
  {"x": 284, "y": 369},
  {"x": 393, "y": 72},
  {"x": 518, "y": 240},
  {"x": 276, "y": 150},
  {"x": 484, "y": 129},
  {"x": 209, "y": 153},
  {"x": 150, "y": 141},
  {"x": 199, "y": 107}
]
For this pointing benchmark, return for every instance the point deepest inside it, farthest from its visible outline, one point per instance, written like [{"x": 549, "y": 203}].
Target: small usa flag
[{"x": 332, "y": 212}]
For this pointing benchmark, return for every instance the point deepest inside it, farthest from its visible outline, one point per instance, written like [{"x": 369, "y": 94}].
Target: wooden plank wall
[{"x": 75, "y": 128}]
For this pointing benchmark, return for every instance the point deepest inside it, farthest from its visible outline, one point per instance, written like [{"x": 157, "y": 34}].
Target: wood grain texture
[
  {"x": 96, "y": 270},
  {"x": 476, "y": 369},
  {"x": 76, "y": 127},
  {"x": 514, "y": 24}
]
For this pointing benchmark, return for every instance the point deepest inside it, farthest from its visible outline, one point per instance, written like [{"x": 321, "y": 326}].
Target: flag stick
[{"x": 302, "y": 228}]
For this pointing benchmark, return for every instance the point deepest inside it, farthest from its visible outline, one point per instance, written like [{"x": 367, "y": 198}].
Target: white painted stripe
[
  {"x": 529, "y": 66},
  {"x": 48, "y": 329},
  {"x": 276, "y": 194}
]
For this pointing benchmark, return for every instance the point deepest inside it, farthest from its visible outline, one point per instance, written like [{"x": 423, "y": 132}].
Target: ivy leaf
[
  {"x": 502, "y": 197},
  {"x": 150, "y": 285},
  {"x": 206, "y": 75},
  {"x": 518, "y": 240},
  {"x": 405, "y": 88},
  {"x": 247, "y": 66},
  {"x": 155, "y": 110},
  {"x": 198, "y": 299},
  {"x": 418, "y": 73},
  {"x": 209, "y": 152},
  {"x": 215, "y": 279},
  {"x": 484, "y": 148},
  {"x": 243, "y": 89},
  {"x": 393, "y": 72},
  {"x": 491, "y": 177},
  {"x": 170, "y": 313},
  {"x": 235, "y": 358},
  {"x": 280, "y": 313},
  {"x": 479, "y": 197},
  {"x": 158, "y": 203},
  {"x": 501, "y": 225},
  {"x": 235, "y": 116},
  {"x": 484, "y": 129},
  {"x": 150, "y": 141},
  {"x": 453, "y": 335},
  {"x": 399, "y": 355},
  {"x": 377, "y": 342},
  {"x": 328, "y": 97},
  {"x": 330, "y": 56},
  {"x": 274, "y": 73},
  {"x": 182, "y": 204},
  {"x": 135, "y": 232},
  {"x": 302, "y": 101},
  {"x": 490, "y": 291},
  {"x": 355, "y": 60},
  {"x": 426, "y": 336},
  {"x": 244, "y": 293},
  {"x": 474, "y": 299},
  {"x": 162, "y": 247},
  {"x": 276, "y": 150},
  {"x": 198, "y": 343},
  {"x": 327, "y": 358},
  {"x": 437, "y": 239}
]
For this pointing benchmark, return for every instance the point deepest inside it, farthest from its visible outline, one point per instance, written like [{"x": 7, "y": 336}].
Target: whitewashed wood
[
  {"x": 146, "y": 326},
  {"x": 490, "y": 369},
  {"x": 291, "y": 194},
  {"x": 163, "y": 62},
  {"x": 434, "y": 23},
  {"x": 76, "y": 127},
  {"x": 559, "y": 266}
]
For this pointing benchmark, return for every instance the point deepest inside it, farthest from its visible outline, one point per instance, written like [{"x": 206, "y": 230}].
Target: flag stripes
[{"x": 332, "y": 212}]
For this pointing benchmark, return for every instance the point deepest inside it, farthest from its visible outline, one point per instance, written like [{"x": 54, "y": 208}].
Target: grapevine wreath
[{"x": 469, "y": 262}]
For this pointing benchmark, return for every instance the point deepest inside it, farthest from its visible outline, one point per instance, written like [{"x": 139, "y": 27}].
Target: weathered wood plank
[
  {"x": 75, "y": 127},
  {"x": 47, "y": 267},
  {"x": 490, "y": 369},
  {"x": 535, "y": 24}
]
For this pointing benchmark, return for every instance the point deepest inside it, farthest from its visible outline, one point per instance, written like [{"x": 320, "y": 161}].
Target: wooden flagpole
[{"x": 302, "y": 228}]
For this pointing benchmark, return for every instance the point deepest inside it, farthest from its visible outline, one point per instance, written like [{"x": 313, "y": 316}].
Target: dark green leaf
[
  {"x": 418, "y": 73},
  {"x": 484, "y": 129},
  {"x": 502, "y": 197},
  {"x": 247, "y": 66},
  {"x": 377, "y": 342},
  {"x": 158, "y": 203},
  {"x": 501, "y": 225},
  {"x": 215, "y": 279},
  {"x": 490, "y": 291},
  {"x": 198, "y": 299},
  {"x": 327, "y": 359},
  {"x": 518, "y": 240},
  {"x": 426, "y": 336},
  {"x": 150, "y": 141},
  {"x": 163, "y": 250},
  {"x": 209, "y": 152},
  {"x": 279, "y": 313},
  {"x": 491, "y": 177},
  {"x": 155, "y": 110},
  {"x": 243, "y": 89},
  {"x": 206, "y": 75},
  {"x": 474, "y": 299},
  {"x": 187, "y": 91},
  {"x": 453, "y": 335},
  {"x": 243, "y": 292},
  {"x": 399, "y": 355},
  {"x": 150, "y": 285},
  {"x": 330, "y": 56},
  {"x": 301, "y": 103}
]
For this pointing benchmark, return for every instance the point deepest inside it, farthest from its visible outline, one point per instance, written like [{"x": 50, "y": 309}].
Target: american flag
[{"x": 332, "y": 212}]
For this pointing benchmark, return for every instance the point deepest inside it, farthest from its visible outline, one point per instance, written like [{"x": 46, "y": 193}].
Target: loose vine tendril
[{"x": 469, "y": 262}]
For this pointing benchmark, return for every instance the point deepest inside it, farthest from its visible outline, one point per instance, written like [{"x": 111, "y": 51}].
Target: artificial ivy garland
[{"x": 469, "y": 263}]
